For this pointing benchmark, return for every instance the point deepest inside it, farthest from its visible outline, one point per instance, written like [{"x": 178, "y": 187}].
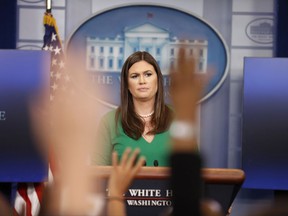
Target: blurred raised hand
[
  {"x": 186, "y": 90},
  {"x": 67, "y": 126},
  {"x": 123, "y": 173},
  {"x": 187, "y": 86}
]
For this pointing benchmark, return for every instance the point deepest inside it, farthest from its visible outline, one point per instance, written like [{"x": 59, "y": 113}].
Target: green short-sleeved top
[{"x": 156, "y": 152}]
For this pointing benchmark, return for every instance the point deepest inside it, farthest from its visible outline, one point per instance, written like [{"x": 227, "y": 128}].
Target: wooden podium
[{"x": 150, "y": 193}]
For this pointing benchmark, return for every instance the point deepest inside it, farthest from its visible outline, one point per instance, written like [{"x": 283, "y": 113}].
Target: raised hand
[
  {"x": 186, "y": 86},
  {"x": 122, "y": 175}
]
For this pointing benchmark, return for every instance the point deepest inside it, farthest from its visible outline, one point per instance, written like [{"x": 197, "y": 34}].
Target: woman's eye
[
  {"x": 148, "y": 74},
  {"x": 134, "y": 76}
]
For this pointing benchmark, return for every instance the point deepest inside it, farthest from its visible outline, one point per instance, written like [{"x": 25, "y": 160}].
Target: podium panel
[
  {"x": 148, "y": 197},
  {"x": 150, "y": 193}
]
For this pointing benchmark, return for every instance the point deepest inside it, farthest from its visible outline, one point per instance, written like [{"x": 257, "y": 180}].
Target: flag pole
[{"x": 48, "y": 6}]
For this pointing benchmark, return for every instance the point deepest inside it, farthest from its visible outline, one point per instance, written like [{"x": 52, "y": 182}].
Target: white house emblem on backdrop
[
  {"x": 107, "y": 54},
  {"x": 106, "y": 40},
  {"x": 260, "y": 30}
]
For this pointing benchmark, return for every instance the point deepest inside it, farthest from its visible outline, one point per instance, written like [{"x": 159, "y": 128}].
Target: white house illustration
[{"x": 109, "y": 54}]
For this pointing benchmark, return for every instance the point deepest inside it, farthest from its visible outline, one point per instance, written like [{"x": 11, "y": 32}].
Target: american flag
[
  {"x": 28, "y": 198},
  {"x": 28, "y": 195},
  {"x": 52, "y": 42}
]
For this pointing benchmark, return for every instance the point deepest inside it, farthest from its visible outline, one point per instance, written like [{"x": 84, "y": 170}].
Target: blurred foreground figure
[
  {"x": 186, "y": 90},
  {"x": 67, "y": 127}
]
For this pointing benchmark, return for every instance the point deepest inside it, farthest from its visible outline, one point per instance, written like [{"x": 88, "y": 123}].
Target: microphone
[{"x": 155, "y": 163}]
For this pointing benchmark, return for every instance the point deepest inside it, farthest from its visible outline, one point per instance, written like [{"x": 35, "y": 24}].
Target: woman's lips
[{"x": 143, "y": 89}]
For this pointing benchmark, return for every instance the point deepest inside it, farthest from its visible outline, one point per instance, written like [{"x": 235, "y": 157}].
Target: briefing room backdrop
[{"x": 246, "y": 26}]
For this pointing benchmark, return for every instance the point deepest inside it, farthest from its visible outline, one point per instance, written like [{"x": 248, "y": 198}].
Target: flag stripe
[
  {"x": 20, "y": 204},
  {"x": 26, "y": 207},
  {"x": 28, "y": 198},
  {"x": 33, "y": 197}
]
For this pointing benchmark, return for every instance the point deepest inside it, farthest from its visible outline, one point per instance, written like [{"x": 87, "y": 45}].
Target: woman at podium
[{"x": 142, "y": 120}]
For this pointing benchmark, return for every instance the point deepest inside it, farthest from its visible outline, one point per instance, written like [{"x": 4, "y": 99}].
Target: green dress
[{"x": 156, "y": 152}]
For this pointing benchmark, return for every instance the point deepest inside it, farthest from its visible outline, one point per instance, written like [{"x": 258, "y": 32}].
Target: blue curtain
[
  {"x": 8, "y": 17},
  {"x": 281, "y": 40}
]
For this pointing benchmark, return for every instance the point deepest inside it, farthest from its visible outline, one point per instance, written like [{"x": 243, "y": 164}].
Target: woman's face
[{"x": 142, "y": 81}]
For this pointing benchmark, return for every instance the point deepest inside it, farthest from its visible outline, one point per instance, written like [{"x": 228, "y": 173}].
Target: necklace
[{"x": 146, "y": 116}]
